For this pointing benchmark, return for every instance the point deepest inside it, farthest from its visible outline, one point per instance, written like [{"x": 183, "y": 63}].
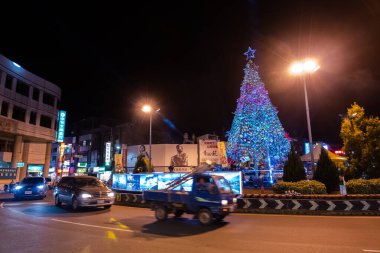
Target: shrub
[
  {"x": 362, "y": 186},
  {"x": 293, "y": 169},
  {"x": 327, "y": 172},
  {"x": 303, "y": 187}
]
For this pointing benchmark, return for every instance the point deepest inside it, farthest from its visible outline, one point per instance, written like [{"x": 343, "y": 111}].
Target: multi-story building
[{"x": 28, "y": 115}]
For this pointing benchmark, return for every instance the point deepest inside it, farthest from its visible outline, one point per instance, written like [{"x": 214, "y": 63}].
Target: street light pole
[
  {"x": 150, "y": 139},
  {"x": 308, "y": 125}
]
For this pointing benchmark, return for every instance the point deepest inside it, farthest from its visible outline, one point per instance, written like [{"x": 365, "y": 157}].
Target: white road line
[
  {"x": 93, "y": 226},
  {"x": 371, "y": 250}
]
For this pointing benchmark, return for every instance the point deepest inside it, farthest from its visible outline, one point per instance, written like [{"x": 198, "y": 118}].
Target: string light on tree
[{"x": 256, "y": 131}]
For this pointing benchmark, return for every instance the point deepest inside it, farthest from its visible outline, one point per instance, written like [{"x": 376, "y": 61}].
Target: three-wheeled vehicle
[{"x": 210, "y": 199}]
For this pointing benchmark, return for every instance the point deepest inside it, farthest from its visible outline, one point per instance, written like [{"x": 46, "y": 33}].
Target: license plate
[
  {"x": 28, "y": 192},
  {"x": 100, "y": 201}
]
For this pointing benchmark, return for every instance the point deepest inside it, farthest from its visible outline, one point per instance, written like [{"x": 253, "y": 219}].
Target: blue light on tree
[{"x": 256, "y": 131}]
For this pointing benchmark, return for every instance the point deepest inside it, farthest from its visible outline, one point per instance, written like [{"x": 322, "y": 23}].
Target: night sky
[{"x": 187, "y": 57}]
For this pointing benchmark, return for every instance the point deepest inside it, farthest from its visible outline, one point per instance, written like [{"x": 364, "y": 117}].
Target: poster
[
  {"x": 208, "y": 152},
  {"x": 118, "y": 163},
  {"x": 222, "y": 153}
]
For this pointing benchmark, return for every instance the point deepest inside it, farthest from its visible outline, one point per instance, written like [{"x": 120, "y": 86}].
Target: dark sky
[{"x": 187, "y": 57}]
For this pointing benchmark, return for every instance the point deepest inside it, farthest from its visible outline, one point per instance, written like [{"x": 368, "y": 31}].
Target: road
[{"x": 39, "y": 226}]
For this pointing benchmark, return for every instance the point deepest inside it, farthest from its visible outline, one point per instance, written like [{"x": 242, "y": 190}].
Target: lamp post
[
  {"x": 148, "y": 109},
  {"x": 304, "y": 69}
]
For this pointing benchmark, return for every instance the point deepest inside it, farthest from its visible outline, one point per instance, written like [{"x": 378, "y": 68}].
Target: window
[
  {"x": 45, "y": 121},
  {"x": 8, "y": 82},
  {"x": 36, "y": 94},
  {"x": 4, "y": 108},
  {"x": 22, "y": 88},
  {"x": 48, "y": 99},
  {"x": 18, "y": 113},
  {"x": 33, "y": 118}
]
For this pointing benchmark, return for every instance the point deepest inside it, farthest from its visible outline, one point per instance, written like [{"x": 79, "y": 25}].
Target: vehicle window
[
  {"x": 33, "y": 180},
  {"x": 80, "y": 182},
  {"x": 224, "y": 185},
  {"x": 48, "y": 179}
]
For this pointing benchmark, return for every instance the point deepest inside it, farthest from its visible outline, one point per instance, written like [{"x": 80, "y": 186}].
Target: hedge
[
  {"x": 362, "y": 186},
  {"x": 302, "y": 187}
]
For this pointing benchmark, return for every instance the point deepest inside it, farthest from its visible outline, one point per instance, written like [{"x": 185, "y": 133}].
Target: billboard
[
  {"x": 61, "y": 125},
  {"x": 165, "y": 155},
  {"x": 160, "y": 181},
  {"x": 208, "y": 152}
]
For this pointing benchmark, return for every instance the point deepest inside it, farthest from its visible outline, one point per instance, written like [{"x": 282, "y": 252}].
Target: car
[
  {"x": 31, "y": 187},
  {"x": 83, "y": 191},
  {"x": 49, "y": 182}
]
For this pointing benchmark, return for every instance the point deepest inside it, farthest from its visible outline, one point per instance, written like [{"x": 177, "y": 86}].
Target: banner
[
  {"x": 208, "y": 152},
  {"x": 118, "y": 163},
  {"x": 222, "y": 154}
]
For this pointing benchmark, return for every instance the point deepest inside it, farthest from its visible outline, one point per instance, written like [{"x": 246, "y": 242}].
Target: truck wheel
[
  {"x": 205, "y": 216},
  {"x": 178, "y": 213},
  {"x": 161, "y": 213}
]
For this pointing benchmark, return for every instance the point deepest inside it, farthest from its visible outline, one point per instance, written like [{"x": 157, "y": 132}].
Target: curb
[{"x": 364, "y": 205}]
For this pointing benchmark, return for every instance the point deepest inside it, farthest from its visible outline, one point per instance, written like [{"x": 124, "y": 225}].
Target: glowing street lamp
[
  {"x": 303, "y": 68},
  {"x": 148, "y": 109}
]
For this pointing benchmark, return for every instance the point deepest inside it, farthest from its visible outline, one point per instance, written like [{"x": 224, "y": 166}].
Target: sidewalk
[{"x": 5, "y": 196}]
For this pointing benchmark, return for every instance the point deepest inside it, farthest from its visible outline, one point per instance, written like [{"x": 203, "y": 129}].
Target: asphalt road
[{"x": 39, "y": 226}]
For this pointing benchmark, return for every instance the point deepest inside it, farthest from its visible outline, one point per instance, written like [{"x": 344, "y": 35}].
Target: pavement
[{"x": 39, "y": 226}]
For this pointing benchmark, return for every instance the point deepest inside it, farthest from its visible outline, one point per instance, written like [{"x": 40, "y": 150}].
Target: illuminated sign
[
  {"x": 307, "y": 147},
  {"x": 108, "y": 154},
  {"x": 35, "y": 168},
  {"x": 20, "y": 164},
  {"x": 8, "y": 173},
  {"x": 66, "y": 163},
  {"x": 82, "y": 170},
  {"x": 61, "y": 126},
  {"x": 82, "y": 165}
]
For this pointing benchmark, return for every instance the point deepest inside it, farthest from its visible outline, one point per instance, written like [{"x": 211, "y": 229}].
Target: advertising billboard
[
  {"x": 160, "y": 181},
  {"x": 208, "y": 152}
]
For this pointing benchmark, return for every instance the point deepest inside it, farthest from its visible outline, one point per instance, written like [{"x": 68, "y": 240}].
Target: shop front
[{"x": 35, "y": 170}]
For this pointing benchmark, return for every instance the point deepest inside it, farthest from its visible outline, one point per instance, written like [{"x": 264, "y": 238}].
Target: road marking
[
  {"x": 371, "y": 250},
  {"x": 349, "y": 205},
  {"x": 365, "y": 205},
  {"x": 314, "y": 205},
  {"x": 263, "y": 203},
  {"x": 331, "y": 205},
  {"x": 279, "y": 204},
  {"x": 93, "y": 226},
  {"x": 247, "y": 203},
  {"x": 296, "y": 204}
]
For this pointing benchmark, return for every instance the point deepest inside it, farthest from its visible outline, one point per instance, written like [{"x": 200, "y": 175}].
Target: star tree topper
[{"x": 250, "y": 53}]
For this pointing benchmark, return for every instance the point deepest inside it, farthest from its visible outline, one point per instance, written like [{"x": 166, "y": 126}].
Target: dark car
[
  {"x": 83, "y": 191},
  {"x": 31, "y": 187}
]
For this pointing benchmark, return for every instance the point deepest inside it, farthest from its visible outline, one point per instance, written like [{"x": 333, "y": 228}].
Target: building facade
[{"x": 28, "y": 115}]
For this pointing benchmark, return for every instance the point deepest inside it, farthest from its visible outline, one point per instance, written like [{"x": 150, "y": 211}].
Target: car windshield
[
  {"x": 32, "y": 180},
  {"x": 223, "y": 185},
  {"x": 48, "y": 179},
  {"x": 81, "y": 182}
]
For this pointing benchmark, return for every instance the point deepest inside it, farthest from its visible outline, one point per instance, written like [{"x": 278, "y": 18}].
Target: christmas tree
[{"x": 256, "y": 133}]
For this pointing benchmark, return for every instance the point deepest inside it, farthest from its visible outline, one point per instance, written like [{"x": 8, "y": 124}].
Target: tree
[
  {"x": 327, "y": 172},
  {"x": 293, "y": 169},
  {"x": 361, "y": 139},
  {"x": 256, "y": 133}
]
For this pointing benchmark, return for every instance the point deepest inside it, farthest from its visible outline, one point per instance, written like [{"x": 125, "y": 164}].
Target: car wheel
[
  {"x": 75, "y": 204},
  {"x": 178, "y": 213},
  {"x": 205, "y": 216},
  {"x": 220, "y": 217},
  {"x": 161, "y": 213},
  {"x": 107, "y": 207},
  {"x": 57, "y": 201}
]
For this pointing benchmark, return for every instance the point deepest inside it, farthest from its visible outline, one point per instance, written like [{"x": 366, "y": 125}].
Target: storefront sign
[
  {"x": 8, "y": 173},
  {"x": 82, "y": 165},
  {"x": 61, "y": 126},
  {"x": 108, "y": 154},
  {"x": 35, "y": 168},
  {"x": 21, "y": 164},
  {"x": 82, "y": 170}
]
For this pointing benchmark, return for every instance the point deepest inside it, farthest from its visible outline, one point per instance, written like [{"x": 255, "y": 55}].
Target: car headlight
[
  {"x": 18, "y": 187},
  {"x": 224, "y": 202},
  {"x": 234, "y": 200},
  {"x": 40, "y": 186},
  {"x": 111, "y": 194},
  {"x": 86, "y": 195}
]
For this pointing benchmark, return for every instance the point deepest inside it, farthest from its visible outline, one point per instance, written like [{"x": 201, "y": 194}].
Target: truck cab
[{"x": 210, "y": 199}]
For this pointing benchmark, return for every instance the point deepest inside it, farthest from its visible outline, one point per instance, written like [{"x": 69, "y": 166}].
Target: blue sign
[
  {"x": 159, "y": 181},
  {"x": 61, "y": 126},
  {"x": 8, "y": 173}
]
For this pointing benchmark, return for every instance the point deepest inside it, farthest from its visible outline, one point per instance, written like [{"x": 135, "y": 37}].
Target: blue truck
[{"x": 210, "y": 198}]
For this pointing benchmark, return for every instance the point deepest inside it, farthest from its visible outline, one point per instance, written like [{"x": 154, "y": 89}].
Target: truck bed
[{"x": 166, "y": 196}]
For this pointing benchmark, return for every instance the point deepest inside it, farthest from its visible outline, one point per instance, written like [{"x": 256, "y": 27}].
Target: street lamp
[
  {"x": 148, "y": 109},
  {"x": 304, "y": 68}
]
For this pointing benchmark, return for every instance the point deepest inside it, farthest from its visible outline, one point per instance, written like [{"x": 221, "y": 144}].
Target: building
[{"x": 28, "y": 115}]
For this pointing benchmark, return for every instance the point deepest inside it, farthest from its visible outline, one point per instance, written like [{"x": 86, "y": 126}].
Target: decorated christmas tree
[{"x": 256, "y": 134}]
